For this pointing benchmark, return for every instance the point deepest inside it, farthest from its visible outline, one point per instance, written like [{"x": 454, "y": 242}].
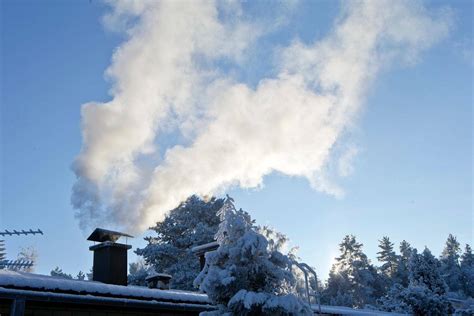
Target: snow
[
  {"x": 341, "y": 310},
  {"x": 95, "y": 299},
  {"x": 158, "y": 275},
  {"x": 244, "y": 275},
  {"x": 192, "y": 224},
  {"x": 200, "y": 248},
  {"x": 15, "y": 279}
]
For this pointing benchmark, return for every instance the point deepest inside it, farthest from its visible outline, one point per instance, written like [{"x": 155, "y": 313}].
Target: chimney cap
[
  {"x": 158, "y": 276},
  {"x": 101, "y": 235}
]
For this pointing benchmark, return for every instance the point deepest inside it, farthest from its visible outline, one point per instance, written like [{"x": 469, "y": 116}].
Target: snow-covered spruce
[
  {"x": 58, "y": 273},
  {"x": 245, "y": 276},
  {"x": 426, "y": 292},
  {"x": 138, "y": 272},
  {"x": 450, "y": 265},
  {"x": 387, "y": 256},
  {"x": 353, "y": 281},
  {"x": 467, "y": 271},
  {"x": 402, "y": 274}
]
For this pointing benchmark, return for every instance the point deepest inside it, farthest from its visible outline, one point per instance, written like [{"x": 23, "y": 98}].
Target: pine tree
[
  {"x": 245, "y": 276},
  {"x": 80, "y": 276},
  {"x": 467, "y": 271},
  {"x": 338, "y": 288},
  {"x": 427, "y": 289},
  {"x": 57, "y": 272},
  {"x": 90, "y": 274},
  {"x": 450, "y": 268},
  {"x": 387, "y": 256},
  {"x": 351, "y": 278},
  {"x": 194, "y": 222},
  {"x": 426, "y": 292},
  {"x": 138, "y": 272},
  {"x": 402, "y": 274},
  {"x": 425, "y": 271}
]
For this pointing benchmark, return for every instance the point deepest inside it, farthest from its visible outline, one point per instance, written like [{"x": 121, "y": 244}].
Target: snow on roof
[
  {"x": 23, "y": 280},
  {"x": 342, "y": 310},
  {"x": 158, "y": 275}
]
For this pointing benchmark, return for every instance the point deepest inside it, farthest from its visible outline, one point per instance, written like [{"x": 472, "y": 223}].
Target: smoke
[{"x": 173, "y": 81}]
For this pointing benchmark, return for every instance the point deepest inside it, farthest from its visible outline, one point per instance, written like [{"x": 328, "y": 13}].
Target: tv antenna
[
  {"x": 22, "y": 232},
  {"x": 18, "y": 263}
]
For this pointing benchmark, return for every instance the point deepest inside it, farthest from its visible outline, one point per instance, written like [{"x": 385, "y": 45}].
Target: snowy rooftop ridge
[{"x": 22, "y": 280}]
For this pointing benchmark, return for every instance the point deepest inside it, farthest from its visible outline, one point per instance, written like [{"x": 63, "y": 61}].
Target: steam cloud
[{"x": 169, "y": 82}]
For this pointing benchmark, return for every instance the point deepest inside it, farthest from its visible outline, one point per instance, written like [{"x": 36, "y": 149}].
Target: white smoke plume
[{"x": 168, "y": 80}]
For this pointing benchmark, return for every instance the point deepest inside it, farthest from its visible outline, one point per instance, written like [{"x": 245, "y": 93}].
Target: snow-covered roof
[
  {"x": 158, "y": 275},
  {"x": 53, "y": 286},
  {"x": 342, "y": 310},
  {"x": 37, "y": 282}
]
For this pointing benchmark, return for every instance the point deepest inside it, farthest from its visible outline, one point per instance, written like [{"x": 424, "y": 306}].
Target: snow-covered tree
[
  {"x": 278, "y": 241},
  {"x": 426, "y": 292},
  {"x": 450, "y": 268},
  {"x": 194, "y": 222},
  {"x": 245, "y": 276},
  {"x": 338, "y": 289},
  {"x": 467, "y": 271},
  {"x": 351, "y": 280},
  {"x": 57, "y": 272},
  {"x": 425, "y": 271},
  {"x": 387, "y": 256},
  {"x": 402, "y": 274},
  {"x": 415, "y": 300},
  {"x": 29, "y": 254},
  {"x": 300, "y": 287},
  {"x": 80, "y": 276},
  {"x": 395, "y": 300},
  {"x": 90, "y": 274},
  {"x": 389, "y": 268},
  {"x": 137, "y": 273}
]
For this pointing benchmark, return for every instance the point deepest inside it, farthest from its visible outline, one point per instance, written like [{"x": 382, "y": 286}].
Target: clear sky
[{"x": 411, "y": 179}]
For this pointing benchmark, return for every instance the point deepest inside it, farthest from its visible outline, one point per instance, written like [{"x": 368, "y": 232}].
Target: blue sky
[{"x": 412, "y": 178}]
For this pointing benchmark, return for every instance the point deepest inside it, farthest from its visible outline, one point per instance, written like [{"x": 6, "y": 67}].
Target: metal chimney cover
[{"x": 101, "y": 235}]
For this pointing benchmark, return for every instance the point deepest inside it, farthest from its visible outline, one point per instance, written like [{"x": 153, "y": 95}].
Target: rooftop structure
[
  {"x": 32, "y": 294},
  {"x": 22, "y": 292}
]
